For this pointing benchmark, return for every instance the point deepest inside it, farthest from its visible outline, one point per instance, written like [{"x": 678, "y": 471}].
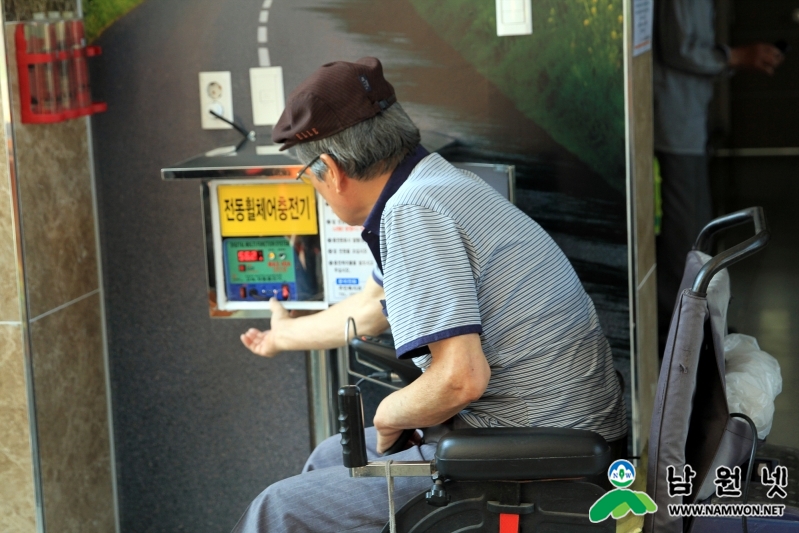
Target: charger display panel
[{"x": 259, "y": 268}]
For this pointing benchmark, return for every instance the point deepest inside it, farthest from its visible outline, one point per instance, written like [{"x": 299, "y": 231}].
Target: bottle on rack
[
  {"x": 77, "y": 40},
  {"x": 66, "y": 78},
  {"x": 44, "y": 86}
]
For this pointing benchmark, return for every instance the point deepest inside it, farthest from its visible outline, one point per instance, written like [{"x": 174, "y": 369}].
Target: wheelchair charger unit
[
  {"x": 252, "y": 205},
  {"x": 266, "y": 241}
]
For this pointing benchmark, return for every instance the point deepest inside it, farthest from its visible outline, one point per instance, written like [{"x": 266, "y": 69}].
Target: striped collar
[
  {"x": 398, "y": 177},
  {"x": 371, "y": 226}
]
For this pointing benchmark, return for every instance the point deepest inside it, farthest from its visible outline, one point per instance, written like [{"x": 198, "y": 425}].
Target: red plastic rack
[{"x": 53, "y": 74}]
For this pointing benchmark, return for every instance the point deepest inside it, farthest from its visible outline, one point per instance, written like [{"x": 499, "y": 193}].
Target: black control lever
[
  {"x": 350, "y": 419},
  {"x": 350, "y": 423}
]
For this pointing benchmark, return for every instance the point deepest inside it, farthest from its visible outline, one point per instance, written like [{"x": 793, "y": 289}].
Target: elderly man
[{"x": 475, "y": 292}]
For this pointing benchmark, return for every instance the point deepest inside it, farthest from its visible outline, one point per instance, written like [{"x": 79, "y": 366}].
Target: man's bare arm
[
  {"x": 457, "y": 376},
  {"x": 320, "y": 331}
]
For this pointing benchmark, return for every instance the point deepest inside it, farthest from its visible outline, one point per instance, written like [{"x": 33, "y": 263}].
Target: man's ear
[{"x": 335, "y": 174}]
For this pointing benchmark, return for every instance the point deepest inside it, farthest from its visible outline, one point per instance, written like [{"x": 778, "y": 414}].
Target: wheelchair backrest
[{"x": 691, "y": 422}]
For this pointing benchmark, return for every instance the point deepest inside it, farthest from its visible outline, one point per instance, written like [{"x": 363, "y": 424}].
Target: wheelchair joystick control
[
  {"x": 437, "y": 495},
  {"x": 350, "y": 419}
]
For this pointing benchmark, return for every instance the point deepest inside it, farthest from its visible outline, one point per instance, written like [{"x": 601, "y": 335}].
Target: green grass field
[
  {"x": 100, "y": 14},
  {"x": 568, "y": 76}
]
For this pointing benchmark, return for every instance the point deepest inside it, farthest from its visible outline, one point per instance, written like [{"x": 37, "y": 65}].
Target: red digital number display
[{"x": 249, "y": 256}]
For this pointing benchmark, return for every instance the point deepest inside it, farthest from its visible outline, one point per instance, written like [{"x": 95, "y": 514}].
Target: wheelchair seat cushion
[{"x": 521, "y": 454}]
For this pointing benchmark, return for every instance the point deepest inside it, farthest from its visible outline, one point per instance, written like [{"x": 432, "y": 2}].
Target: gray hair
[{"x": 366, "y": 149}]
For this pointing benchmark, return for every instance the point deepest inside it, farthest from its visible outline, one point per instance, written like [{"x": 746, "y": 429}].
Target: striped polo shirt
[{"x": 458, "y": 258}]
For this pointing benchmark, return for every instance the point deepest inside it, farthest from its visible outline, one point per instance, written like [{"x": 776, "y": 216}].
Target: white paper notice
[
  {"x": 643, "y": 11},
  {"x": 348, "y": 259},
  {"x": 514, "y": 17},
  {"x": 266, "y": 89}
]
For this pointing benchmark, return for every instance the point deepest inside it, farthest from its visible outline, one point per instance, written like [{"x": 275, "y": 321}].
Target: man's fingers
[
  {"x": 251, "y": 337},
  {"x": 262, "y": 342},
  {"x": 251, "y": 334},
  {"x": 769, "y": 58}
]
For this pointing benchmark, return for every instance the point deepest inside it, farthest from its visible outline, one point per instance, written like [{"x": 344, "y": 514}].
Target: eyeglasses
[{"x": 305, "y": 175}]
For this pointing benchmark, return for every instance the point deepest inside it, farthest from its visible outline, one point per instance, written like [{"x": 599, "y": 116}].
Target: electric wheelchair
[{"x": 511, "y": 480}]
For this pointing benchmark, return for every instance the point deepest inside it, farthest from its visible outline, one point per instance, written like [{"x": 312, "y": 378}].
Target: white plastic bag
[{"x": 753, "y": 381}]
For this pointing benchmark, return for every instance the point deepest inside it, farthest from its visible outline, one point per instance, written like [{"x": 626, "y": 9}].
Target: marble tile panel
[
  {"x": 17, "y": 501},
  {"x": 9, "y": 301},
  {"x": 72, "y": 418},
  {"x": 54, "y": 178},
  {"x": 9, "y": 291}
]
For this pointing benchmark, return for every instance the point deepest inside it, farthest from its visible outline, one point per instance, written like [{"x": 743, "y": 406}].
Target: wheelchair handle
[
  {"x": 350, "y": 419},
  {"x": 731, "y": 255}
]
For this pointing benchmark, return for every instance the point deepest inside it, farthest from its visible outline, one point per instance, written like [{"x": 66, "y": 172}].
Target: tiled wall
[
  {"x": 17, "y": 501},
  {"x": 65, "y": 324}
]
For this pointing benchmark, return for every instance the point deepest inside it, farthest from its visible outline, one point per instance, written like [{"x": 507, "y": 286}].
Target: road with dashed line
[{"x": 263, "y": 49}]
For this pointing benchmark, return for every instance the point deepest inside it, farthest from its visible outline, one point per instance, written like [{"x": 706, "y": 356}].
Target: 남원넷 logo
[
  {"x": 728, "y": 485},
  {"x": 621, "y": 500}
]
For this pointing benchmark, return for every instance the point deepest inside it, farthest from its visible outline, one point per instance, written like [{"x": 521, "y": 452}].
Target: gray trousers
[
  {"x": 686, "y": 202},
  {"x": 324, "y": 498}
]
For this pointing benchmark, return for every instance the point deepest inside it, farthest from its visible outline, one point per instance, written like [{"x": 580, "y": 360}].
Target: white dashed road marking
[
  {"x": 263, "y": 51},
  {"x": 263, "y": 57}
]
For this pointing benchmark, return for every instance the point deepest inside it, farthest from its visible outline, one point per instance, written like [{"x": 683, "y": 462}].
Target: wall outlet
[
  {"x": 216, "y": 92},
  {"x": 514, "y": 17}
]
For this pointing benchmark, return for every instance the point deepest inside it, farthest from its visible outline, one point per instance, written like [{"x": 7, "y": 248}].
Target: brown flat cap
[{"x": 335, "y": 97}]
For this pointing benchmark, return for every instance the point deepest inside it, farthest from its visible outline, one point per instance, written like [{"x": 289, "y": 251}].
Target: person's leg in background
[{"x": 687, "y": 208}]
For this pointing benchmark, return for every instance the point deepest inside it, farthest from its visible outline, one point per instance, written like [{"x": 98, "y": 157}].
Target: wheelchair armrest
[
  {"x": 380, "y": 351},
  {"x": 478, "y": 454}
]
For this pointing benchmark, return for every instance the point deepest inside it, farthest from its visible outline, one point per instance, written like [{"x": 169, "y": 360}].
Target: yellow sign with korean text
[{"x": 267, "y": 209}]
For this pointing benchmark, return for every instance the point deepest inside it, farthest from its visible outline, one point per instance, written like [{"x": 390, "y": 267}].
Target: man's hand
[
  {"x": 386, "y": 439},
  {"x": 759, "y": 57},
  {"x": 264, "y": 342},
  {"x": 322, "y": 330}
]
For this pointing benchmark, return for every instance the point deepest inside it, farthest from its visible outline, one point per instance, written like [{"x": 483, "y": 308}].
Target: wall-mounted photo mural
[{"x": 550, "y": 103}]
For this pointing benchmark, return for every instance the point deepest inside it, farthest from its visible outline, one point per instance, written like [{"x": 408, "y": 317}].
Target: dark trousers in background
[{"x": 687, "y": 208}]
